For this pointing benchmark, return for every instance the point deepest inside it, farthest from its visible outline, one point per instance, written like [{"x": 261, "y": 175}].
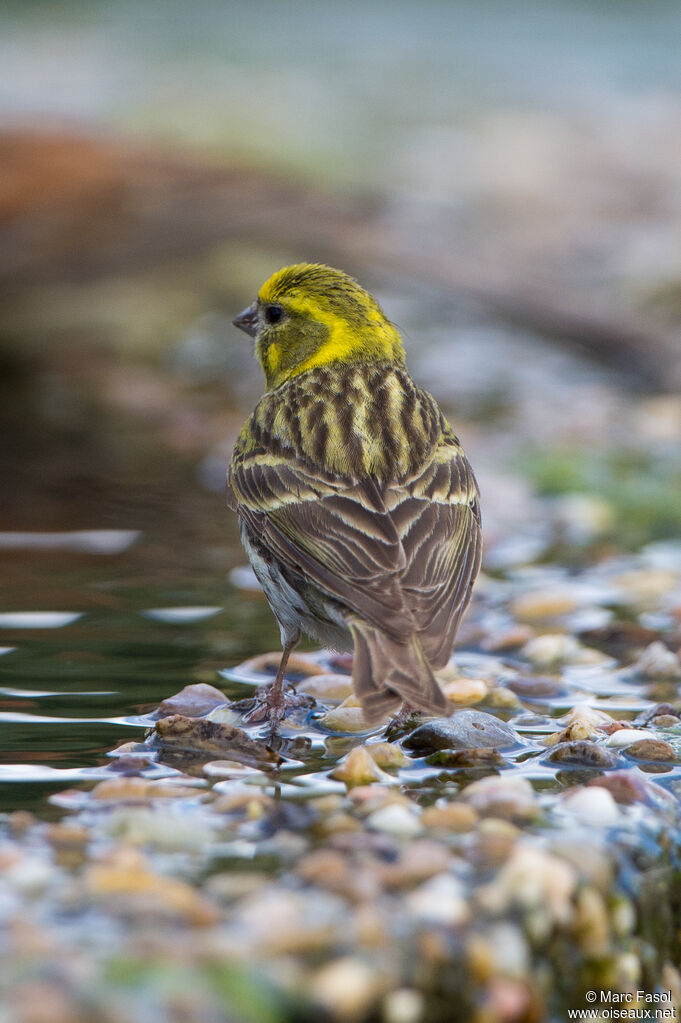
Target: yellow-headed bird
[{"x": 358, "y": 509}]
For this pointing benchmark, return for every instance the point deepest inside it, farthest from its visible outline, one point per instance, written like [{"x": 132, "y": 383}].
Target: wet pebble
[
  {"x": 532, "y": 687},
  {"x": 298, "y": 664},
  {"x": 651, "y": 749},
  {"x": 327, "y": 688},
  {"x": 467, "y": 729},
  {"x": 538, "y": 605},
  {"x": 656, "y": 663},
  {"x": 651, "y": 713},
  {"x": 441, "y": 900},
  {"x": 405, "y": 1005},
  {"x": 622, "y": 737},
  {"x": 347, "y": 717},
  {"x": 584, "y": 753},
  {"x": 552, "y": 649},
  {"x": 388, "y": 755},
  {"x": 395, "y": 820},
  {"x": 346, "y": 988},
  {"x": 358, "y": 768},
  {"x": 591, "y": 805},
  {"x": 465, "y": 691},
  {"x": 127, "y": 883},
  {"x": 455, "y": 816},
  {"x": 193, "y": 701},
  {"x": 630, "y": 785},
  {"x": 505, "y": 796},
  {"x": 533, "y": 880},
  {"x": 482, "y": 757},
  {"x": 579, "y": 729},
  {"x": 507, "y": 639}
]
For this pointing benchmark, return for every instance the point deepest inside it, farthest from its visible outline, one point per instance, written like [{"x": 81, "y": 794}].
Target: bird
[{"x": 357, "y": 507}]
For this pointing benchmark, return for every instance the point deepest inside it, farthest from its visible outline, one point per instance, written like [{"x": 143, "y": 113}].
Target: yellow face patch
[{"x": 355, "y": 328}]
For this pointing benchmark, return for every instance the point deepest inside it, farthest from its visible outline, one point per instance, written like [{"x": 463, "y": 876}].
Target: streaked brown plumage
[{"x": 358, "y": 508}]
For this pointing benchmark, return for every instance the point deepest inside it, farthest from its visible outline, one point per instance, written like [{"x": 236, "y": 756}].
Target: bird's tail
[{"x": 385, "y": 672}]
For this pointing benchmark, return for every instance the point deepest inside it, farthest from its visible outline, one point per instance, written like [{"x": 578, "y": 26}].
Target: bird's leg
[{"x": 275, "y": 699}]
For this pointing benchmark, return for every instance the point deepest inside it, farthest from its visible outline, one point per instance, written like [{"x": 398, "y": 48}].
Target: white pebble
[
  {"x": 592, "y": 805},
  {"x": 396, "y": 820},
  {"x": 439, "y": 901},
  {"x": 403, "y": 1006},
  {"x": 624, "y": 737}
]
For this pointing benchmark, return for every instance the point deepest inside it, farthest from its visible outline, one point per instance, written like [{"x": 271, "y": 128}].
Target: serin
[{"x": 358, "y": 509}]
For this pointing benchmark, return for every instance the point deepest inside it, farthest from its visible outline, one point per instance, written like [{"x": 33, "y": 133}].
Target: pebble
[
  {"x": 359, "y": 768},
  {"x": 657, "y": 663},
  {"x": 298, "y": 664},
  {"x": 658, "y": 710},
  {"x": 193, "y": 701},
  {"x": 587, "y": 754},
  {"x": 465, "y": 691},
  {"x": 405, "y": 1005},
  {"x": 623, "y": 737},
  {"x": 483, "y": 757},
  {"x": 160, "y": 829},
  {"x": 665, "y": 721},
  {"x": 552, "y": 649},
  {"x": 531, "y": 687},
  {"x": 126, "y": 881},
  {"x": 578, "y": 729},
  {"x": 538, "y": 605},
  {"x": 224, "y": 714},
  {"x": 440, "y": 901},
  {"x": 651, "y": 749},
  {"x": 644, "y": 587},
  {"x": 592, "y": 805},
  {"x": 419, "y": 860},
  {"x": 230, "y": 769},
  {"x": 509, "y": 639},
  {"x": 502, "y": 699},
  {"x": 138, "y": 790},
  {"x": 388, "y": 754},
  {"x": 506, "y": 796},
  {"x": 395, "y": 820},
  {"x": 213, "y": 738},
  {"x": 467, "y": 729},
  {"x": 346, "y": 989},
  {"x": 632, "y": 786},
  {"x": 591, "y": 923},
  {"x": 456, "y": 816},
  {"x": 533, "y": 879},
  {"x": 327, "y": 688},
  {"x": 347, "y": 717},
  {"x": 30, "y": 876}
]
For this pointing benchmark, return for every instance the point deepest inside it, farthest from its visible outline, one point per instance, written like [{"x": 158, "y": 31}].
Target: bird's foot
[
  {"x": 397, "y": 725},
  {"x": 273, "y": 705}
]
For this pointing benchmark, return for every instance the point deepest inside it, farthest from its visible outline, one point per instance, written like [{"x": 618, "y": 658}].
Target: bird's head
[{"x": 311, "y": 315}]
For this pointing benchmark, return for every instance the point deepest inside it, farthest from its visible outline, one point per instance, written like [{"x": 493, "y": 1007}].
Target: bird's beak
[{"x": 248, "y": 320}]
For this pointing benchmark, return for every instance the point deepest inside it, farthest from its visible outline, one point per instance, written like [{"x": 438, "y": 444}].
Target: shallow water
[{"x": 75, "y": 682}]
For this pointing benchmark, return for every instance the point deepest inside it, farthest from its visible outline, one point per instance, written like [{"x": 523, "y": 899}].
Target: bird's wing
[
  {"x": 437, "y": 517},
  {"x": 336, "y": 533}
]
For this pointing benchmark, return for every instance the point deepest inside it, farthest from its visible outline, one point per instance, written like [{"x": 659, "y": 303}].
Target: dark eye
[{"x": 274, "y": 314}]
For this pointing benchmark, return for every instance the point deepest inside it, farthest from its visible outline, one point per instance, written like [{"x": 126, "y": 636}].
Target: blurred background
[{"x": 504, "y": 176}]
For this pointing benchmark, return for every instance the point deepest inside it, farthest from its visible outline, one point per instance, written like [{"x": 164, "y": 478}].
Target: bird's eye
[{"x": 274, "y": 314}]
